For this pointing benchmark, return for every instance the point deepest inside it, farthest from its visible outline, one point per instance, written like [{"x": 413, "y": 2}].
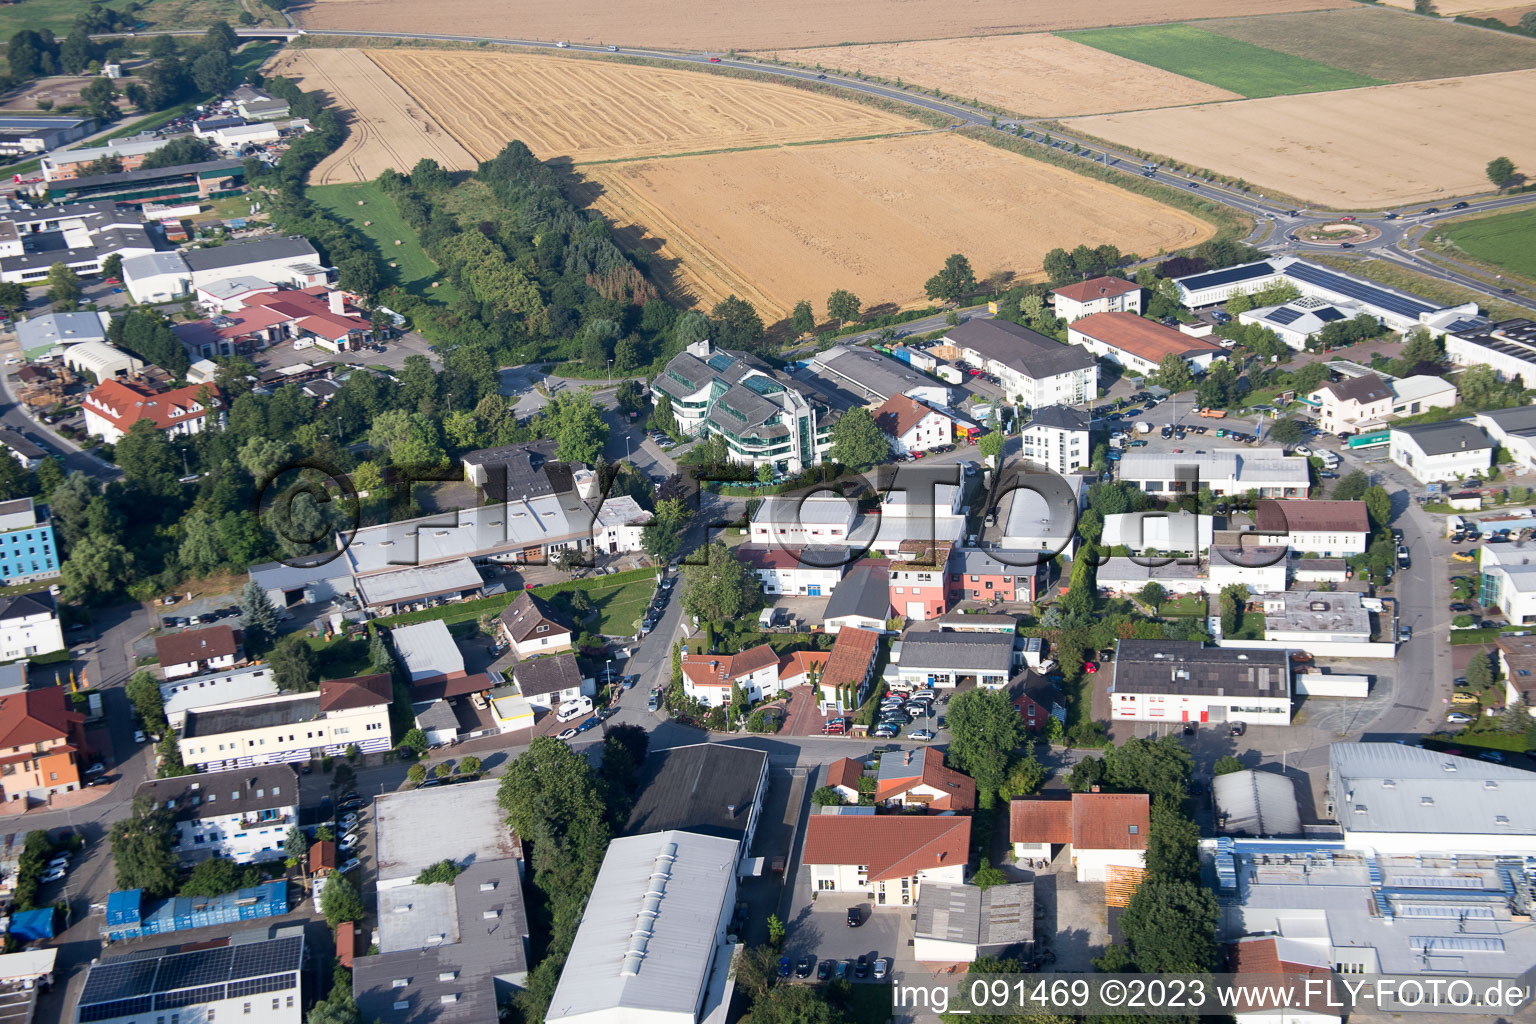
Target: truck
[
  {"x": 1143, "y": 427},
  {"x": 1214, "y": 414}
]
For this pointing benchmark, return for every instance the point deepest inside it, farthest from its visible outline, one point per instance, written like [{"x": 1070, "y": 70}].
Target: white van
[{"x": 573, "y": 709}]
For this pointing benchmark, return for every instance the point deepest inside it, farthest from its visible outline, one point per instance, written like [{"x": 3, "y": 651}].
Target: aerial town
[{"x": 793, "y": 513}]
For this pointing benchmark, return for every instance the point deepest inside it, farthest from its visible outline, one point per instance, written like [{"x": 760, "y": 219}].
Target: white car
[
  {"x": 60, "y": 861},
  {"x": 350, "y": 865},
  {"x": 348, "y": 820},
  {"x": 138, "y": 735},
  {"x": 1302, "y": 449},
  {"x": 54, "y": 875},
  {"x": 1458, "y": 718},
  {"x": 349, "y": 842}
]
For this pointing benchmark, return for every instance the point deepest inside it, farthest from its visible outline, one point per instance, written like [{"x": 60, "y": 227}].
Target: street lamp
[{"x": 610, "y": 373}]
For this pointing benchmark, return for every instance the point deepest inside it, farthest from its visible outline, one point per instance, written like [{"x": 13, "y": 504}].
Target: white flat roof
[
  {"x": 482, "y": 531},
  {"x": 419, "y": 581},
  {"x": 426, "y": 649},
  {"x": 461, "y": 823}
]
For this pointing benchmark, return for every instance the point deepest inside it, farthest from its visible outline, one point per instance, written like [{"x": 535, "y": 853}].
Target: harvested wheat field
[
  {"x": 725, "y": 24},
  {"x": 877, "y": 217},
  {"x": 387, "y": 127},
  {"x": 1508, "y": 15},
  {"x": 593, "y": 110},
  {"x": 1037, "y": 75},
  {"x": 1351, "y": 148},
  {"x": 1450, "y": 8}
]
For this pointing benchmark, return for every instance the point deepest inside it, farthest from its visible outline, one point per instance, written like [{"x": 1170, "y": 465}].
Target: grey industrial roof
[
  {"x": 426, "y": 649},
  {"x": 281, "y": 711},
  {"x": 708, "y": 788},
  {"x": 419, "y": 581},
  {"x": 1444, "y": 438},
  {"x": 1320, "y": 611},
  {"x": 129, "y": 177},
  {"x": 1033, "y": 355},
  {"x": 981, "y": 562},
  {"x": 1519, "y": 420},
  {"x": 189, "y": 693},
  {"x": 1000, "y": 915},
  {"x": 966, "y": 652},
  {"x": 647, "y": 937},
  {"x": 481, "y": 531},
  {"x": 875, "y": 375},
  {"x": 1256, "y": 803},
  {"x": 688, "y": 371},
  {"x": 1393, "y": 787},
  {"x": 1259, "y": 466},
  {"x": 20, "y": 445},
  {"x": 220, "y": 793},
  {"x": 153, "y": 263},
  {"x": 1061, "y": 417},
  {"x": 282, "y": 576},
  {"x": 550, "y": 674},
  {"x": 26, "y": 122},
  {"x": 416, "y": 917},
  {"x": 865, "y": 590},
  {"x": 522, "y": 470},
  {"x": 1187, "y": 666},
  {"x": 256, "y": 250},
  {"x": 461, "y": 823},
  {"x": 59, "y": 328}
]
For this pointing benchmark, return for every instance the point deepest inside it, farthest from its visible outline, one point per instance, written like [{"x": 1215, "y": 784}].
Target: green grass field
[
  {"x": 1219, "y": 60},
  {"x": 1504, "y": 241},
  {"x": 60, "y": 15},
  {"x": 620, "y": 608},
  {"x": 416, "y": 271}
]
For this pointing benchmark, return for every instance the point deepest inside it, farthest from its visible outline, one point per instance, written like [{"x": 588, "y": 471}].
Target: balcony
[{"x": 281, "y": 819}]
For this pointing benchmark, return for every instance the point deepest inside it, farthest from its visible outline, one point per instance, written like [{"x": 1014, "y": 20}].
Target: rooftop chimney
[{"x": 730, "y": 810}]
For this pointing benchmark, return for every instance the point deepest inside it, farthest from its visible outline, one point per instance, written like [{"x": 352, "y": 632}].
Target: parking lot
[{"x": 819, "y": 927}]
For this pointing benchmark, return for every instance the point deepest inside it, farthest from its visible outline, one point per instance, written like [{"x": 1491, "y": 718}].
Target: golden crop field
[
  {"x": 718, "y": 24},
  {"x": 595, "y": 110},
  {"x": 387, "y": 128},
  {"x": 1408, "y": 142},
  {"x": 877, "y": 217},
  {"x": 1037, "y": 75}
]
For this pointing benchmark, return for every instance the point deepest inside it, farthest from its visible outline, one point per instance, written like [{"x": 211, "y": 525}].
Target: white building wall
[
  {"x": 30, "y": 636},
  {"x": 1064, "y": 451},
  {"x": 1091, "y": 864},
  {"x": 1262, "y": 579},
  {"x": 942, "y": 951},
  {"x": 548, "y": 643},
  {"x": 245, "y": 841},
  {"x": 799, "y": 580},
  {"x": 1456, "y": 465},
  {"x": 894, "y": 891},
  {"x": 1508, "y": 367},
  {"x": 929, "y": 432},
  {"x": 368, "y": 727},
  {"x": 1174, "y": 707}
]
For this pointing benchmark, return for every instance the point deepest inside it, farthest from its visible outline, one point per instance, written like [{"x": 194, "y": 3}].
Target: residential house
[
  {"x": 1096, "y": 295},
  {"x": 42, "y": 744},
  {"x": 919, "y": 778},
  {"x": 1185, "y": 681},
  {"x": 619, "y": 524},
  {"x": 1038, "y": 701},
  {"x": 114, "y": 406},
  {"x": 818, "y": 519},
  {"x": 919, "y": 589},
  {"x": 1056, "y": 437},
  {"x": 959, "y": 924},
  {"x": 1326, "y": 528},
  {"x": 912, "y": 426},
  {"x": 29, "y": 626},
  {"x": 1104, "y": 830},
  {"x": 242, "y": 815},
  {"x": 943, "y": 661},
  {"x": 888, "y": 857},
  {"x": 810, "y": 571},
  {"x": 1344, "y": 405},
  {"x": 850, "y": 667},
  {"x": 551, "y": 681},
  {"x": 802, "y": 668},
  {"x": 1139, "y": 344},
  {"x": 978, "y": 574},
  {"x": 320, "y": 316},
  {"x": 710, "y": 678},
  {"x": 1260, "y": 966},
  {"x": 291, "y": 727},
  {"x": 1034, "y": 370},
  {"x": 862, "y": 599},
  {"x": 843, "y": 776},
  {"x": 1449, "y": 450},
  {"x": 197, "y": 651},
  {"x": 655, "y": 942},
  {"x": 531, "y": 627},
  {"x": 249, "y": 684}
]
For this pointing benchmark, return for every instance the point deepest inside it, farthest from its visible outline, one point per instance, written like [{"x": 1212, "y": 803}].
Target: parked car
[
  {"x": 824, "y": 970},
  {"x": 806, "y": 965},
  {"x": 568, "y": 734},
  {"x": 840, "y": 969},
  {"x": 882, "y": 968},
  {"x": 96, "y": 769},
  {"x": 784, "y": 967},
  {"x": 54, "y": 874},
  {"x": 923, "y": 734},
  {"x": 861, "y": 968},
  {"x": 348, "y": 820},
  {"x": 351, "y": 865},
  {"x": 1458, "y": 718},
  {"x": 854, "y": 917}
]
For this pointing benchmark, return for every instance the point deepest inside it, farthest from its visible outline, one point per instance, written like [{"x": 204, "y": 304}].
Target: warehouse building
[
  {"x": 1450, "y": 450},
  {"x": 21, "y": 135},
  {"x": 257, "y": 982},
  {"x": 130, "y": 153},
  {"x": 1269, "y": 473},
  {"x": 1509, "y": 347},
  {"x": 80, "y": 236},
  {"x": 206, "y": 180},
  {"x": 1185, "y": 681},
  {"x": 875, "y": 378},
  {"x": 1033, "y": 370}
]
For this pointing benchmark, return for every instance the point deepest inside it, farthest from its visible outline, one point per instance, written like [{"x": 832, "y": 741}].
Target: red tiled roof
[
  {"x": 1142, "y": 337},
  {"x": 123, "y": 404},
  {"x": 346, "y": 943},
  {"x": 957, "y": 790},
  {"x": 1040, "y": 820},
  {"x": 769, "y": 556},
  {"x": 1096, "y": 288},
  {"x": 1273, "y": 516},
  {"x": 851, "y": 656},
  {"x": 1110, "y": 821},
  {"x": 900, "y": 414},
  {"x": 36, "y": 716},
  {"x": 846, "y": 772},
  {"x": 891, "y": 845},
  {"x": 1253, "y": 958},
  {"x": 724, "y": 669},
  {"x": 196, "y": 645},
  {"x": 322, "y": 856},
  {"x": 357, "y": 692},
  {"x": 800, "y": 663}
]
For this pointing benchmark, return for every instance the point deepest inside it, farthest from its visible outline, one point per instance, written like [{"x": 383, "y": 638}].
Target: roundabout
[{"x": 1336, "y": 233}]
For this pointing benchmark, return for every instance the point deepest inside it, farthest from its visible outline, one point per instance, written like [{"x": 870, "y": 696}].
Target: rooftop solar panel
[
  {"x": 1465, "y": 325},
  {"x": 255, "y": 986},
  {"x": 199, "y": 967},
  {"x": 258, "y": 958},
  {"x": 1328, "y": 314},
  {"x": 1358, "y": 290},
  {"x": 188, "y": 996},
  {"x": 116, "y": 1008},
  {"x": 110, "y": 981},
  {"x": 1229, "y": 275},
  {"x": 1283, "y": 315}
]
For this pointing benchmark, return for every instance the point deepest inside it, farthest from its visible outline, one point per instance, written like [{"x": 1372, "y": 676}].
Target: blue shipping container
[{"x": 181, "y": 913}]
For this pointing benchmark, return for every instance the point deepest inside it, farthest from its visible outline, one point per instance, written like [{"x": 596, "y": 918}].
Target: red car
[
  {"x": 1347, "y": 219},
  {"x": 1090, "y": 666},
  {"x": 714, "y": 60}
]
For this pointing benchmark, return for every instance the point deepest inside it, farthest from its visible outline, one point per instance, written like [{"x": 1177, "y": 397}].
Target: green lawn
[
  {"x": 341, "y": 659},
  {"x": 416, "y": 271},
  {"x": 60, "y": 15},
  {"x": 1503, "y": 240},
  {"x": 1219, "y": 60},
  {"x": 621, "y": 607}
]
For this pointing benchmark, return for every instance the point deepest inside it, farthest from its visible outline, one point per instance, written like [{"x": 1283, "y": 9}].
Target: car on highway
[
  {"x": 1346, "y": 245},
  {"x": 1432, "y": 209},
  {"x": 821, "y": 76},
  {"x": 1460, "y": 206},
  {"x": 714, "y": 60},
  {"x": 613, "y": 49},
  {"x": 1346, "y": 219}
]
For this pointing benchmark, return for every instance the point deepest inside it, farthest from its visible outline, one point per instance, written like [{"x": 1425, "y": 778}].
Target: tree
[
  {"x": 415, "y": 740},
  {"x": 1086, "y": 774},
  {"x": 1286, "y": 431},
  {"x": 217, "y": 876},
  {"x": 443, "y": 770},
  {"x": 1226, "y": 765},
  {"x": 212, "y": 73},
  {"x": 1479, "y": 671},
  {"x": 296, "y": 845},
  {"x": 470, "y": 765},
  {"x": 1161, "y": 767},
  {"x": 1231, "y": 602},
  {"x": 954, "y": 282},
  {"x": 793, "y": 1004},
  {"x": 569, "y": 559},
  {"x": 96, "y": 568},
  {"x": 1172, "y": 840},
  {"x": 578, "y": 426},
  {"x": 1378, "y": 506},
  {"x": 293, "y": 664},
  {"x": 1025, "y": 775},
  {"x": 720, "y": 589},
  {"x": 1173, "y": 373},
  {"x": 1170, "y": 926},
  {"x": 257, "y": 616},
  {"x": 441, "y": 873},
  {"x": 143, "y": 692},
  {"x": 220, "y": 38},
  {"x": 775, "y": 931},
  {"x": 987, "y": 876},
  {"x": 843, "y": 305},
  {"x": 991, "y": 446},
  {"x": 1154, "y": 595},
  {"x": 857, "y": 440},
  {"x": 63, "y": 286},
  {"x": 1351, "y": 486},
  {"x": 416, "y": 773},
  {"x": 141, "y": 848},
  {"x": 736, "y": 323},
  {"x": 339, "y": 900},
  {"x": 663, "y": 535},
  {"x": 1501, "y": 171},
  {"x": 984, "y": 729},
  {"x": 803, "y": 320},
  {"x": 826, "y": 796},
  {"x": 99, "y": 97},
  {"x": 338, "y": 1006}
]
